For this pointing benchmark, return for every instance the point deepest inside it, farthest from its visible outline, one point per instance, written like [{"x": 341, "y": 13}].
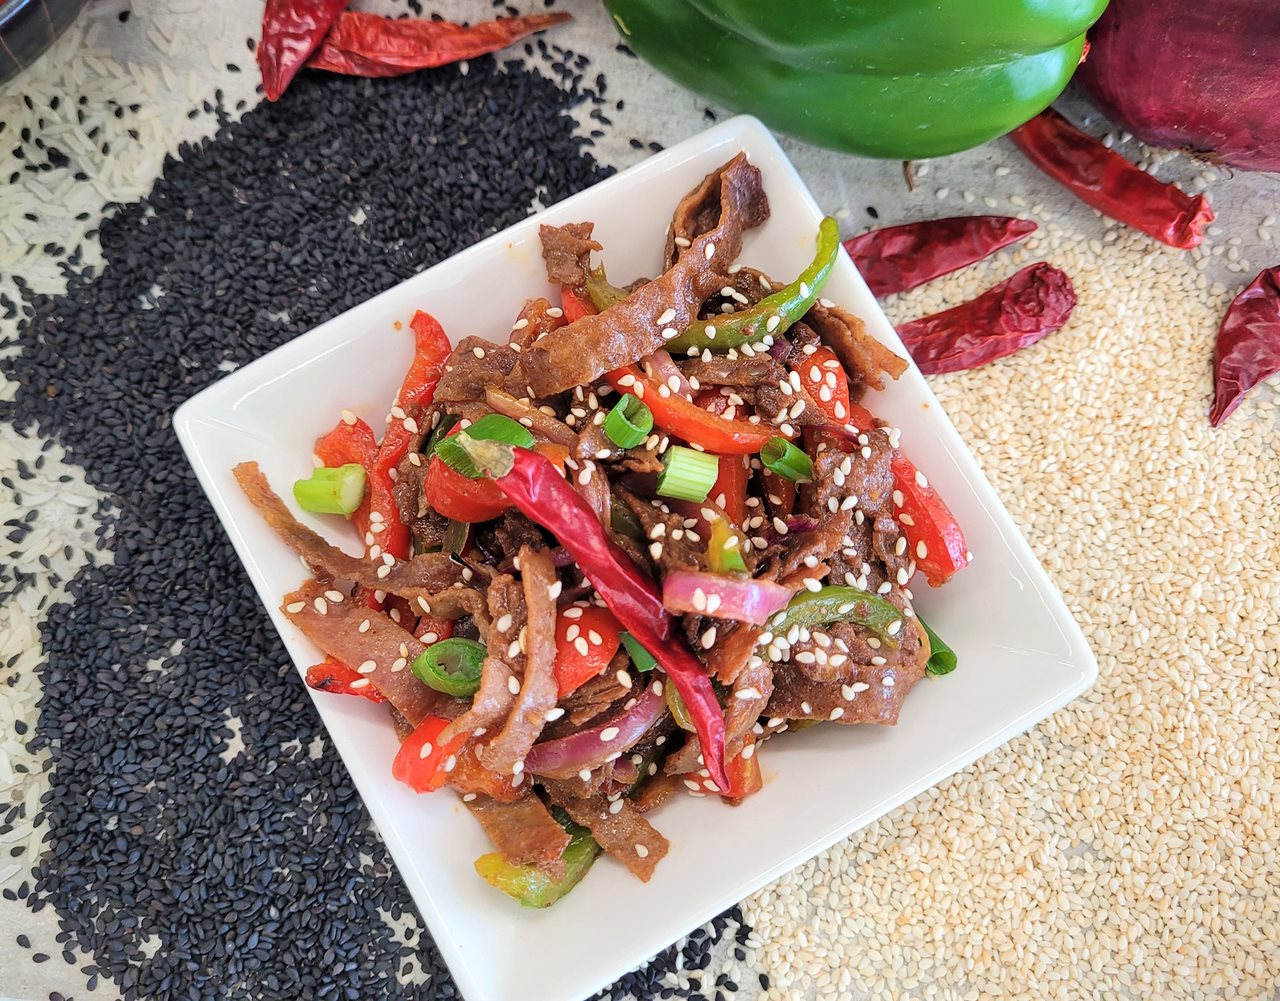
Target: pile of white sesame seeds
[{"x": 1126, "y": 847}]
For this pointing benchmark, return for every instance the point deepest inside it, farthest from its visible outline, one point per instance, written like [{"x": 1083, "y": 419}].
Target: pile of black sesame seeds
[{"x": 185, "y": 868}]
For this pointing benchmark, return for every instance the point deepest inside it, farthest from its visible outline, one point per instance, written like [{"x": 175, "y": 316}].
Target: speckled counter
[{"x": 173, "y": 821}]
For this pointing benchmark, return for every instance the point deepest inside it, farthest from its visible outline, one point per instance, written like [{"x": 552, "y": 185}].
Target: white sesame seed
[
  {"x": 710, "y": 251},
  {"x": 513, "y": 685},
  {"x": 296, "y": 606},
  {"x": 608, "y": 733}
]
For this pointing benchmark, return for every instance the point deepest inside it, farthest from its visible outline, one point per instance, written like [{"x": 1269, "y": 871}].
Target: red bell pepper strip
[
  {"x": 332, "y": 675},
  {"x": 470, "y": 775},
  {"x": 825, "y": 380},
  {"x": 575, "y": 306},
  {"x": 429, "y": 630},
  {"x": 685, "y": 419},
  {"x": 579, "y": 658},
  {"x": 291, "y": 31},
  {"x": 431, "y": 349},
  {"x": 744, "y": 772},
  {"x": 426, "y": 772},
  {"x": 933, "y": 535},
  {"x": 539, "y": 491},
  {"x": 729, "y": 491},
  {"x": 464, "y": 499}
]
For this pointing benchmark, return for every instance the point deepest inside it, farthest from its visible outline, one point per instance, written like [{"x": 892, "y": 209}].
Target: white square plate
[{"x": 1021, "y": 654}]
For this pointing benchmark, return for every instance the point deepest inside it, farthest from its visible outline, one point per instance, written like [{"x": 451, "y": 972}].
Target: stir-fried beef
[
  {"x": 566, "y": 250},
  {"x": 625, "y": 835},
  {"x": 624, "y": 333},
  {"x": 538, "y": 317},
  {"x": 380, "y": 650},
  {"x": 474, "y": 366},
  {"x": 670, "y": 545},
  {"x": 503, "y": 662},
  {"x": 543, "y": 425},
  {"x": 609, "y": 748},
  {"x": 861, "y": 354},
  {"x": 868, "y": 694},
  {"x": 537, "y": 640},
  {"x": 421, "y": 577},
  {"x": 524, "y": 832}
]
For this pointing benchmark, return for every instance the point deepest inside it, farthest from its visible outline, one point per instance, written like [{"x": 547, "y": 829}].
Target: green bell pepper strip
[
  {"x": 724, "y": 548},
  {"x": 942, "y": 659},
  {"x": 451, "y": 666},
  {"x": 640, "y": 657},
  {"x": 773, "y": 314},
  {"x": 836, "y": 603},
  {"x": 898, "y": 79},
  {"x": 530, "y": 885},
  {"x": 601, "y": 293}
]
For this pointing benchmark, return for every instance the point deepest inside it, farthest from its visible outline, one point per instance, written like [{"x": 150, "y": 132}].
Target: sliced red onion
[
  {"x": 587, "y": 749},
  {"x": 740, "y": 599},
  {"x": 661, "y": 367},
  {"x": 796, "y": 524}
]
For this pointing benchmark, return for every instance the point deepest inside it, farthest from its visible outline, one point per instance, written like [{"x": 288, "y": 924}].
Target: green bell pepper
[
  {"x": 773, "y": 314},
  {"x": 836, "y": 603},
  {"x": 899, "y": 79},
  {"x": 530, "y": 885}
]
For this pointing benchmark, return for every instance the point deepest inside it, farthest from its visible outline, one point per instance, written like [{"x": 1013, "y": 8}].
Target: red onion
[
  {"x": 660, "y": 367},
  {"x": 567, "y": 756},
  {"x": 1197, "y": 75},
  {"x": 739, "y": 599}
]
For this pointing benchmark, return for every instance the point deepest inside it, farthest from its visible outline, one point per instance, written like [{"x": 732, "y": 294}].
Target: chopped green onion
[
  {"x": 451, "y": 666},
  {"x": 688, "y": 474},
  {"x": 641, "y": 657},
  {"x": 784, "y": 459},
  {"x": 724, "y": 548},
  {"x": 447, "y": 421},
  {"x": 629, "y": 422},
  {"x": 942, "y": 659},
  {"x": 331, "y": 489},
  {"x": 490, "y": 427}
]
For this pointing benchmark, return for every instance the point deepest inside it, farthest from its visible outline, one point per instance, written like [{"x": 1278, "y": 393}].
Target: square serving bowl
[{"x": 820, "y": 785}]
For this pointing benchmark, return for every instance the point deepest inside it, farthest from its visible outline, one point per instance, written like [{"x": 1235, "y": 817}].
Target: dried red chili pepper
[
  {"x": 1019, "y": 311},
  {"x": 361, "y": 44},
  {"x": 1111, "y": 184},
  {"x": 541, "y": 493},
  {"x": 291, "y": 30},
  {"x": 1248, "y": 347},
  {"x": 899, "y": 258}
]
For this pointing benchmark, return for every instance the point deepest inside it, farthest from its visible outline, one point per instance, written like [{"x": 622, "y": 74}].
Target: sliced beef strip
[
  {"x": 407, "y": 492},
  {"x": 864, "y": 697},
  {"x": 493, "y": 700},
  {"x": 701, "y": 210},
  {"x": 864, "y": 358},
  {"x": 743, "y": 706},
  {"x": 509, "y": 534},
  {"x": 679, "y": 551},
  {"x": 537, "y": 638},
  {"x": 721, "y": 370},
  {"x": 788, "y": 558},
  {"x": 423, "y": 577},
  {"x": 537, "y": 318},
  {"x": 566, "y": 251},
  {"x": 523, "y": 410},
  {"x": 848, "y": 652},
  {"x": 467, "y": 374},
  {"x": 523, "y": 832},
  {"x": 586, "y": 349},
  {"x": 625, "y": 835},
  {"x": 335, "y": 627}
]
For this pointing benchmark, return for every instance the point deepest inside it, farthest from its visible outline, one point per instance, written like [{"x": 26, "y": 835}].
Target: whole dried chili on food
[
  {"x": 291, "y": 31},
  {"x": 541, "y": 493},
  {"x": 1111, "y": 184},
  {"x": 362, "y": 44},
  {"x": 1248, "y": 347},
  {"x": 1019, "y": 311},
  {"x": 898, "y": 258}
]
